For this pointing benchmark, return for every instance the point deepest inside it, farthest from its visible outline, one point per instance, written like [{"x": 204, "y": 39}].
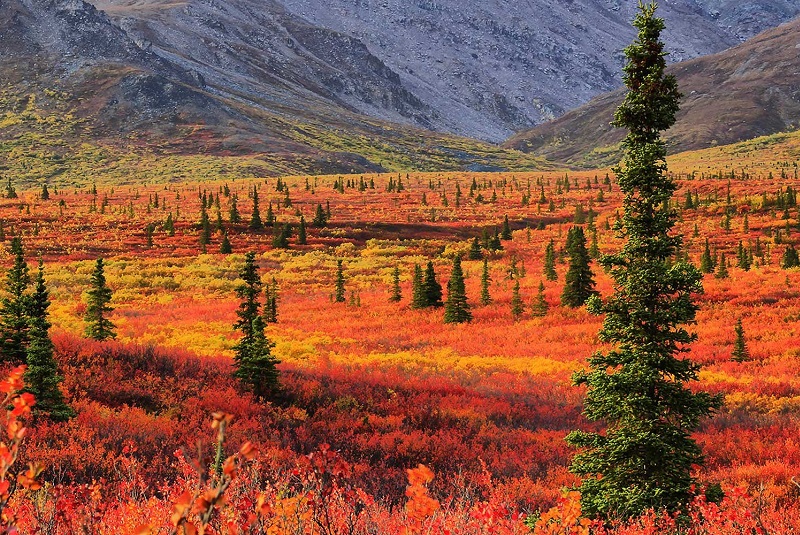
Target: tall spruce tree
[
  {"x": 456, "y": 307},
  {"x": 98, "y": 326},
  {"x": 338, "y": 293},
  {"x": 255, "y": 217},
  {"x": 396, "y": 294},
  {"x": 486, "y": 278},
  {"x": 255, "y": 366},
  {"x": 41, "y": 377},
  {"x": 418, "y": 297},
  {"x": 302, "y": 238},
  {"x": 14, "y": 308},
  {"x": 645, "y": 457},
  {"x": 517, "y": 306},
  {"x": 550, "y": 262},
  {"x": 706, "y": 260},
  {"x": 579, "y": 280},
  {"x": 740, "y": 353},
  {"x": 539, "y": 307},
  {"x": 433, "y": 290}
]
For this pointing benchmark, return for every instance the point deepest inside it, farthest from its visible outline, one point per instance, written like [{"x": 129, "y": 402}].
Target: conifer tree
[
  {"x": 706, "y": 260},
  {"x": 233, "y": 214},
  {"x": 418, "y": 297},
  {"x": 456, "y": 307},
  {"x": 790, "y": 257},
  {"x": 225, "y": 246},
  {"x": 255, "y": 365},
  {"x": 539, "y": 307},
  {"x": 645, "y": 457},
  {"x": 270, "y": 313},
  {"x": 302, "y": 238},
  {"x": 722, "y": 268},
  {"x": 45, "y": 196},
  {"x": 433, "y": 290},
  {"x": 41, "y": 377},
  {"x": 579, "y": 280},
  {"x": 475, "y": 252},
  {"x": 11, "y": 193},
  {"x": 320, "y": 217},
  {"x": 485, "y": 280},
  {"x": 517, "y": 306},
  {"x": 505, "y": 233},
  {"x": 339, "y": 293},
  {"x": 14, "y": 308},
  {"x": 740, "y": 353},
  {"x": 255, "y": 218},
  {"x": 396, "y": 294},
  {"x": 98, "y": 326},
  {"x": 550, "y": 262},
  {"x": 205, "y": 229}
]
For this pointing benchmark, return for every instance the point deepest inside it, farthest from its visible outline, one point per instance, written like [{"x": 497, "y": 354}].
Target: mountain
[
  {"x": 750, "y": 90},
  {"x": 338, "y": 86}
]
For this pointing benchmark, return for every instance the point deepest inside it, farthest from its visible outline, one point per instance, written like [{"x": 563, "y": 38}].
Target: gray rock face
[{"x": 478, "y": 68}]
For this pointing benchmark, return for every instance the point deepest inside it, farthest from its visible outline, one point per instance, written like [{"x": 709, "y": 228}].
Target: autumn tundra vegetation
[{"x": 553, "y": 352}]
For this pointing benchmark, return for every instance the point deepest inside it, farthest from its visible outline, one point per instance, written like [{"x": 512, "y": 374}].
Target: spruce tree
[
  {"x": 432, "y": 288},
  {"x": 41, "y": 377},
  {"x": 550, "y": 262},
  {"x": 255, "y": 217},
  {"x": 539, "y": 307},
  {"x": 98, "y": 326},
  {"x": 14, "y": 308},
  {"x": 517, "y": 306},
  {"x": 740, "y": 353},
  {"x": 396, "y": 294},
  {"x": 645, "y": 457},
  {"x": 302, "y": 238},
  {"x": 418, "y": 297},
  {"x": 233, "y": 214},
  {"x": 270, "y": 313},
  {"x": 579, "y": 280},
  {"x": 225, "y": 246},
  {"x": 485, "y": 280},
  {"x": 475, "y": 252},
  {"x": 456, "y": 307},
  {"x": 706, "y": 260},
  {"x": 339, "y": 293},
  {"x": 320, "y": 217},
  {"x": 255, "y": 366},
  {"x": 505, "y": 233},
  {"x": 722, "y": 268}
]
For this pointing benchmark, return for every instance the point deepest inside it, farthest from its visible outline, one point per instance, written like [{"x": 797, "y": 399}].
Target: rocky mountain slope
[
  {"x": 344, "y": 84},
  {"x": 750, "y": 90}
]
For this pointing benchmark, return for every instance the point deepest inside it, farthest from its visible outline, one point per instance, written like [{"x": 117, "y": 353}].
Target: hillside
[{"x": 748, "y": 91}]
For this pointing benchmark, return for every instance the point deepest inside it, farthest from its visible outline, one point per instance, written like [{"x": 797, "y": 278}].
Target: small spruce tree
[
  {"x": 579, "y": 280},
  {"x": 41, "y": 377},
  {"x": 339, "y": 292},
  {"x": 98, "y": 326},
  {"x": 255, "y": 217},
  {"x": 517, "y": 306},
  {"x": 418, "y": 297},
  {"x": 486, "y": 278},
  {"x": 14, "y": 308},
  {"x": 539, "y": 307},
  {"x": 740, "y": 353},
  {"x": 396, "y": 295},
  {"x": 550, "y": 262},
  {"x": 433, "y": 290},
  {"x": 456, "y": 307}
]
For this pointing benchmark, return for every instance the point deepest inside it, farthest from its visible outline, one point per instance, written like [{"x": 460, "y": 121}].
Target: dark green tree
[
  {"x": 486, "y": 278},
  {"x": 98, "y": 326},
  {"x": 339, "y": 293},
  {"x": 14, "y": 308},
  {"x": 433, "y": 290},
  {"x": 45, "y": 196},
  {"x": 270, "y": 313},
  {"x": 418, "y": 297},
  {"x": 790, "y": 257},
  {"x": 579, "y": 280},
  {"x": 475, "y": 252},
  {"x": 320, "y": 217},
  {"x": 722, "y": 268},
  {"x": 550, "y": 262},
  {"x": 225, "y": 246},
  {"x": 233, "y": 213},
  {"x": 302, "y": 238},
  {"x": 706, "y": 260},
  {"x": 396, "y": 294},
  {"x": 456, "y": 307},
  {"x": 41, "y": 377},
  {"x": 11, "y": 193},
  {"x": 255, "y": 217},
  {"x": 505, "y": 233},
  {"x": 539, "y": 307},
  {"x": 517, "y": 306},
  {"x": 740, "y": 353},
  {"x": 645, "y": 457},
  {"x": 255, "y": 366}
]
